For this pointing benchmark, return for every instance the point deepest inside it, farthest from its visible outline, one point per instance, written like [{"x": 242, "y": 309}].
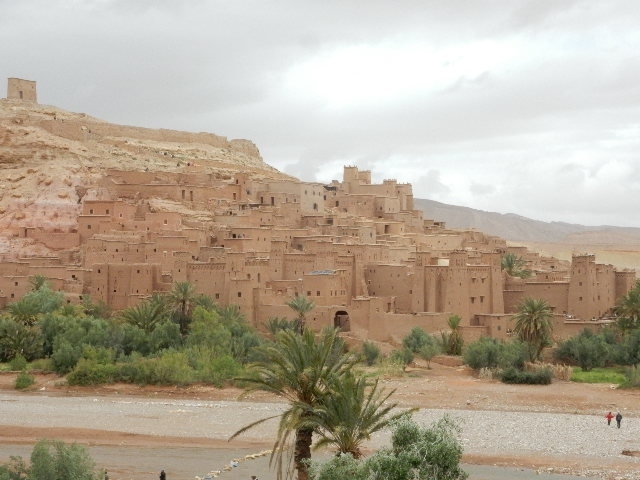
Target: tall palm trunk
[{"x": 302, "y": 452}]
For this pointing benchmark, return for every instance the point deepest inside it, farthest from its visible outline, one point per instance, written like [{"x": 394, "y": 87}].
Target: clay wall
[
  {"x": 387, "y": 206},
  {"x": 391, "y": 281},
  {"x": 592, "y": 288},
  {"x": 71, "y": 129},
  {"x": 625, "y": 281},
  {"x": 389, "y": 227},
  {"x": 122, "y": 285},
  {"x": 13, "y": 287},
  {"x": 325, "y": 287},
  {"x": 498, "y": 326},
  {"x": 295, "y": 265},
  {"x": 554, "y": 293},
  {"x": 357, "y": 205},
  {"x": 439, "y": 243}
]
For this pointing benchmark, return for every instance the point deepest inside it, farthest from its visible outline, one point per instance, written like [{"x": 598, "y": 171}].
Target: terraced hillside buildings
[{"x": 167, "y": 211}]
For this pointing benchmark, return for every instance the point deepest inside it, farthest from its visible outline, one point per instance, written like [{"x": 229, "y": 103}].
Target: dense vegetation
[
  {"x": 52, "y": 460},
  {"x": 616, "y": 346},
  {"x": 177, "y": 338}
]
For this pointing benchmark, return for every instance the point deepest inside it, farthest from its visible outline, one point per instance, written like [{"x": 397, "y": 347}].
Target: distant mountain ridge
[{"x": 518, "y": 228}]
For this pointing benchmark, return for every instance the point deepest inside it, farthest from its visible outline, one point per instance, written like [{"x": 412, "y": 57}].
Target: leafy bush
[
  {"x": 54, "y": 460},
  {"x": 492, "y": 353},
  {"x": 42, "y": 365},
  {"x": 19, "y": 339},
  {"x": 632, "y": 380},
  {"x": 416, "y": 340},
  {"x": 416, "y": 452},
  {"x": 65, "y": 355},
  {"x": 370, "y": 352},
  {"x": 483, "y": 353},
  {"x": 402, "y": 356},
  {"x": 91, "y": 372},
  {"x": 585, "y": 349},
  {"x": 220, "y": 371},
  {"x": 24, "y": 380},
  {"x": 18, "y": 363},
  {"x": 514, "y": 375}
]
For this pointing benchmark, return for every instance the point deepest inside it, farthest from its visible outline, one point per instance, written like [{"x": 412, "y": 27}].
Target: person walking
[
  {"x": 609, "y": 417},
  {"x": 618, "y": 419},
  {"x": 163, "y": 476}
]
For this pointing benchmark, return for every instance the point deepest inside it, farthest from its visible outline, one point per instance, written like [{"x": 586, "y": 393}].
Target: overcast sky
[{"x": 530, "y": 107}]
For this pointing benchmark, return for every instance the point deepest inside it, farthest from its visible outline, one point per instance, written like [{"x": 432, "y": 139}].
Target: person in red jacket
[{"x": 609, "y": 417}]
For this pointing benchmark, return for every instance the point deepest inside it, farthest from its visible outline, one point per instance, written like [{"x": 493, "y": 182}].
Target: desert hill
[
  {"x": 619, "y": 246},
  {"x": 51, "y": 158}
]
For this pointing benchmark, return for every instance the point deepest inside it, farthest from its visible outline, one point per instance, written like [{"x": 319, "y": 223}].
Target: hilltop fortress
[{"x": 120, "y": 212}]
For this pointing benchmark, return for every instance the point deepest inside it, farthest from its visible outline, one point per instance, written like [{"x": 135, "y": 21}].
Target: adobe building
[
  {"x": 23, "y": 90},
  {"x": 371, "y": 264}
]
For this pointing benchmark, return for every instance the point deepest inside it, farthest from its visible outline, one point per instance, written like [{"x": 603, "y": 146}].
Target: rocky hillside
[{"x": 51, "y": 158}]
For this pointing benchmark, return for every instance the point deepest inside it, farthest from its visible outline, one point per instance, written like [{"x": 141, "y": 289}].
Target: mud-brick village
[{"x": 118, "y": 212}]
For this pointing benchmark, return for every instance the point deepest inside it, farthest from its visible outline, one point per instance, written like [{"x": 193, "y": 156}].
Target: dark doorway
[{"x": 341, "y": 321}]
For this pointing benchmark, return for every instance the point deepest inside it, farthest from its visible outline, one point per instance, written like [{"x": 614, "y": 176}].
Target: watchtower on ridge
[{"x": 24, "y": 90}]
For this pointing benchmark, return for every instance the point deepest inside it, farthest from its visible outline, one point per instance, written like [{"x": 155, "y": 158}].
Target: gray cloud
[{"x": 528, "y": 106}]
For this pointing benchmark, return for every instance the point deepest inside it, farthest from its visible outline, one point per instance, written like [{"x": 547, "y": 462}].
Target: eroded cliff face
[{"x": 52, "y": 159}]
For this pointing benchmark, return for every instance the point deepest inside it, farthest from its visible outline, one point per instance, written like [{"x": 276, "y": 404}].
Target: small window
[{"x": 239, "y": 294}]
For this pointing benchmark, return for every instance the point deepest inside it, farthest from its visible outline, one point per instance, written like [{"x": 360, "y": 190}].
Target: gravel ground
[{"x": 578, "y": 444}]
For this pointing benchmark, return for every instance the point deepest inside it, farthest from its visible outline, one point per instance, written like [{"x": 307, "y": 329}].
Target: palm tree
[
  {"x": 181, "y": 300},
  {"x": 145, "y": 315},
  {"x": 514, "y": 266},
  {"x": 301, "y": 368},
  {"x": 533, "y": 325},
  {"x": 37, "y": 282},
  {"x": 301, "y": 304},
  {"x": 628, "y": 309},
  {"x": 454, "y": 346},
  {"x": 351, "y": 412}
]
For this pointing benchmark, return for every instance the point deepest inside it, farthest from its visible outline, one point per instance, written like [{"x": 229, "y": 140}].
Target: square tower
[{"x": 24, "y": 90}]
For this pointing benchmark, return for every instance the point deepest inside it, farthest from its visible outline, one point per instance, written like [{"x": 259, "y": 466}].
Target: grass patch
[{"x": 599, "y": 375}]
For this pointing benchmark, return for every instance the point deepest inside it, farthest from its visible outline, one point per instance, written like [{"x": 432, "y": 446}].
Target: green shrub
[
  {"x": 483, "y": 353},
  {"x": 370, "y": 352},
  {"x": 416, "y": 452},
  {"x": 90, "y": 372},
  {"x": 402, "y": 356},
  {"x": 24, "y": 380},
  {"x": 416, "y": 340},
  {"x": 220, "y": 371},
  {"x": 632, "y": 379},
  {"x": 18, "y": 363},
  {"x": 585, "y": 349},
  {"x": 42, "y": 365},
  {"x": 65, "y": 356},
  {"x": 514, "y": 375},
  {"x": 16, "y": 469},
  {"x": 54, "y": 460}
]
